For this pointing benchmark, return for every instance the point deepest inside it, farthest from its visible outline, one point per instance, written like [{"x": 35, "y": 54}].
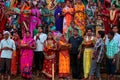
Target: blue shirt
[{"x": 112, "y": 49}]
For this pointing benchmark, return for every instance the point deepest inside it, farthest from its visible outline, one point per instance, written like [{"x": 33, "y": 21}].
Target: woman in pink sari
[
  {"x": 26, "y": 56},
  {"x": 34, "y": 17}
]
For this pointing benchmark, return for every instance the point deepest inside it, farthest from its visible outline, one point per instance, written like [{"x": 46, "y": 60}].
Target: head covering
[
  {"x": 7, "y": 32},
  {"x": 34, "y": 3}
]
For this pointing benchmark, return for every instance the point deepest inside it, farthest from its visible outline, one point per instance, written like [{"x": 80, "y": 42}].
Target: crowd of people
[{"x": 60, "y": 37}]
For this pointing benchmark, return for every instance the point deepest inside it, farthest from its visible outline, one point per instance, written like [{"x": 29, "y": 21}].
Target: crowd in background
[{"x": 60, "y": 37}]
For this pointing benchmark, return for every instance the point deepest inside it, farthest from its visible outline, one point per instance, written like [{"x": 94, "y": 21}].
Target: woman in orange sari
[
  {"x": 50, "y": 47},
  {"x": 16, "y": 55},
  {"x": 80, "y": 16},
  {"x": 68, "y": 13},
  {"x": 64, "y": 58}
]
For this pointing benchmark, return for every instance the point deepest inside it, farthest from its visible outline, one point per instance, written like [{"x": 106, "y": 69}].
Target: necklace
[{"x": 112, "y": 14}]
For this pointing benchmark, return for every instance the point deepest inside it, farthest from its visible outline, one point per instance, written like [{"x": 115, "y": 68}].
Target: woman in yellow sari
[
  {"x": 64, "y": 58},
  {"x": 80, "y": 16},
  {"x": 87, "y": 45}
]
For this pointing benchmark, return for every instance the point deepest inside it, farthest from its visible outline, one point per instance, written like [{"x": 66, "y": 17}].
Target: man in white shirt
[
  {"x": 117, "y": 38},
  {"x": 7, "y": 46},
  {"x": 39, "y": 54}
]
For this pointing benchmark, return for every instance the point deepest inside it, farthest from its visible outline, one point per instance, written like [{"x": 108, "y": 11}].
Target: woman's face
[
  {"x": 28, "y": 34},
  {"x": 113, "y": 7},
  {"x": 50, "y": 36}
]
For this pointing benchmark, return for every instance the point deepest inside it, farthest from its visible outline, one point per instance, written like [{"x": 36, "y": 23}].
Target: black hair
[
  {"x": 28, "y": 31},
  {"x": 111, "y": 33},
  {"x": 101, "y": 33},
  {"x": 89, "y": 29},
  {"x": 76, "y": 29},
  {"x": 52, "y": 22},
  {"x": 114, "y": 26}
]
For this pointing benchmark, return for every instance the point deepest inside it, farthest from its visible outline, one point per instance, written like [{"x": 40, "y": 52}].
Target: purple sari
[
  {"x": 58, "y": 20},
  {"x": 34, "y": 19},
  {"x": 26, "y": 58}
]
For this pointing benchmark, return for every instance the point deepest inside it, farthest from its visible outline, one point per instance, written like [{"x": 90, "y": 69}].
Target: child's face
[
  {"x": 51, "y": 24},
  {"x": 99, "y": 18}
]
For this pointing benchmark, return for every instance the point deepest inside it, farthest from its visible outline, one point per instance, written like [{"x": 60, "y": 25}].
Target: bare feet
[
  {"x": 9, "y": 78},
  {"x": 2, "y": 77}
]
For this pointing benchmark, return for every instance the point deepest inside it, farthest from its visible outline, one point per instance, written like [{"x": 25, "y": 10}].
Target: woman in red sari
[
  {"x": 50, "y": 57},
  {"x": 16, "y": 55},
  {"x": 114, "y": 15},
  {"x": 105, "y": 17},
  {"x": 3, "y": 18}
]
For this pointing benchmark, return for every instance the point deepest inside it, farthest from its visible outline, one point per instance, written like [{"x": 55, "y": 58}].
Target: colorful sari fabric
[
  {"x": 106, "y": 20},
  {"x": 50, "y": 6},
  {"x": 79, "y": 17},
  {"x": 34, "y": 19},
  {"x": 67, "y": 18},
  {"x": 114, "y": 17},
  {"x": 46, "y": 19},
  {"x": 26, "y": 58},
  {"x": 58, "y": 19},
  {"x": 64, "y": 61},
  {"x": 87, "y": 56},
  {"x": 50, "y": 58},
  {"x": 15, "y": 57},
  {"x": 24, "y": 18}
]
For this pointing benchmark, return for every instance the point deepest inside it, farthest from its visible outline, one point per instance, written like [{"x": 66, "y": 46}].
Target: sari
[
  {"x": 24, "y": 18},
  {"x": 64, "y": 60},
  {"x": 80, "y": 17},
  {"x": 67, "y": 18},
  {"x": 34, "y": 19},
  {"x": 87, "y": 56},
  {"x": 106, "y": 20},
  {"x": 3, "y": 18},
  {"x": 107, "y": 3},
  {"x": 26, "y": 58},
  {"x": 46, "y": 19},
  {"x": 50, "y": 59},
  {"x": 114, "y": 17},
  {"x": 58, "y": 19},
  {"x": 15, "y": 57},
  {"x": 51, "y": 4}
]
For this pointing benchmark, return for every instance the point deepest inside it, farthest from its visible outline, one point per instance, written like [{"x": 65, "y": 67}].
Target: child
[{"x": 99, "y": 24}]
